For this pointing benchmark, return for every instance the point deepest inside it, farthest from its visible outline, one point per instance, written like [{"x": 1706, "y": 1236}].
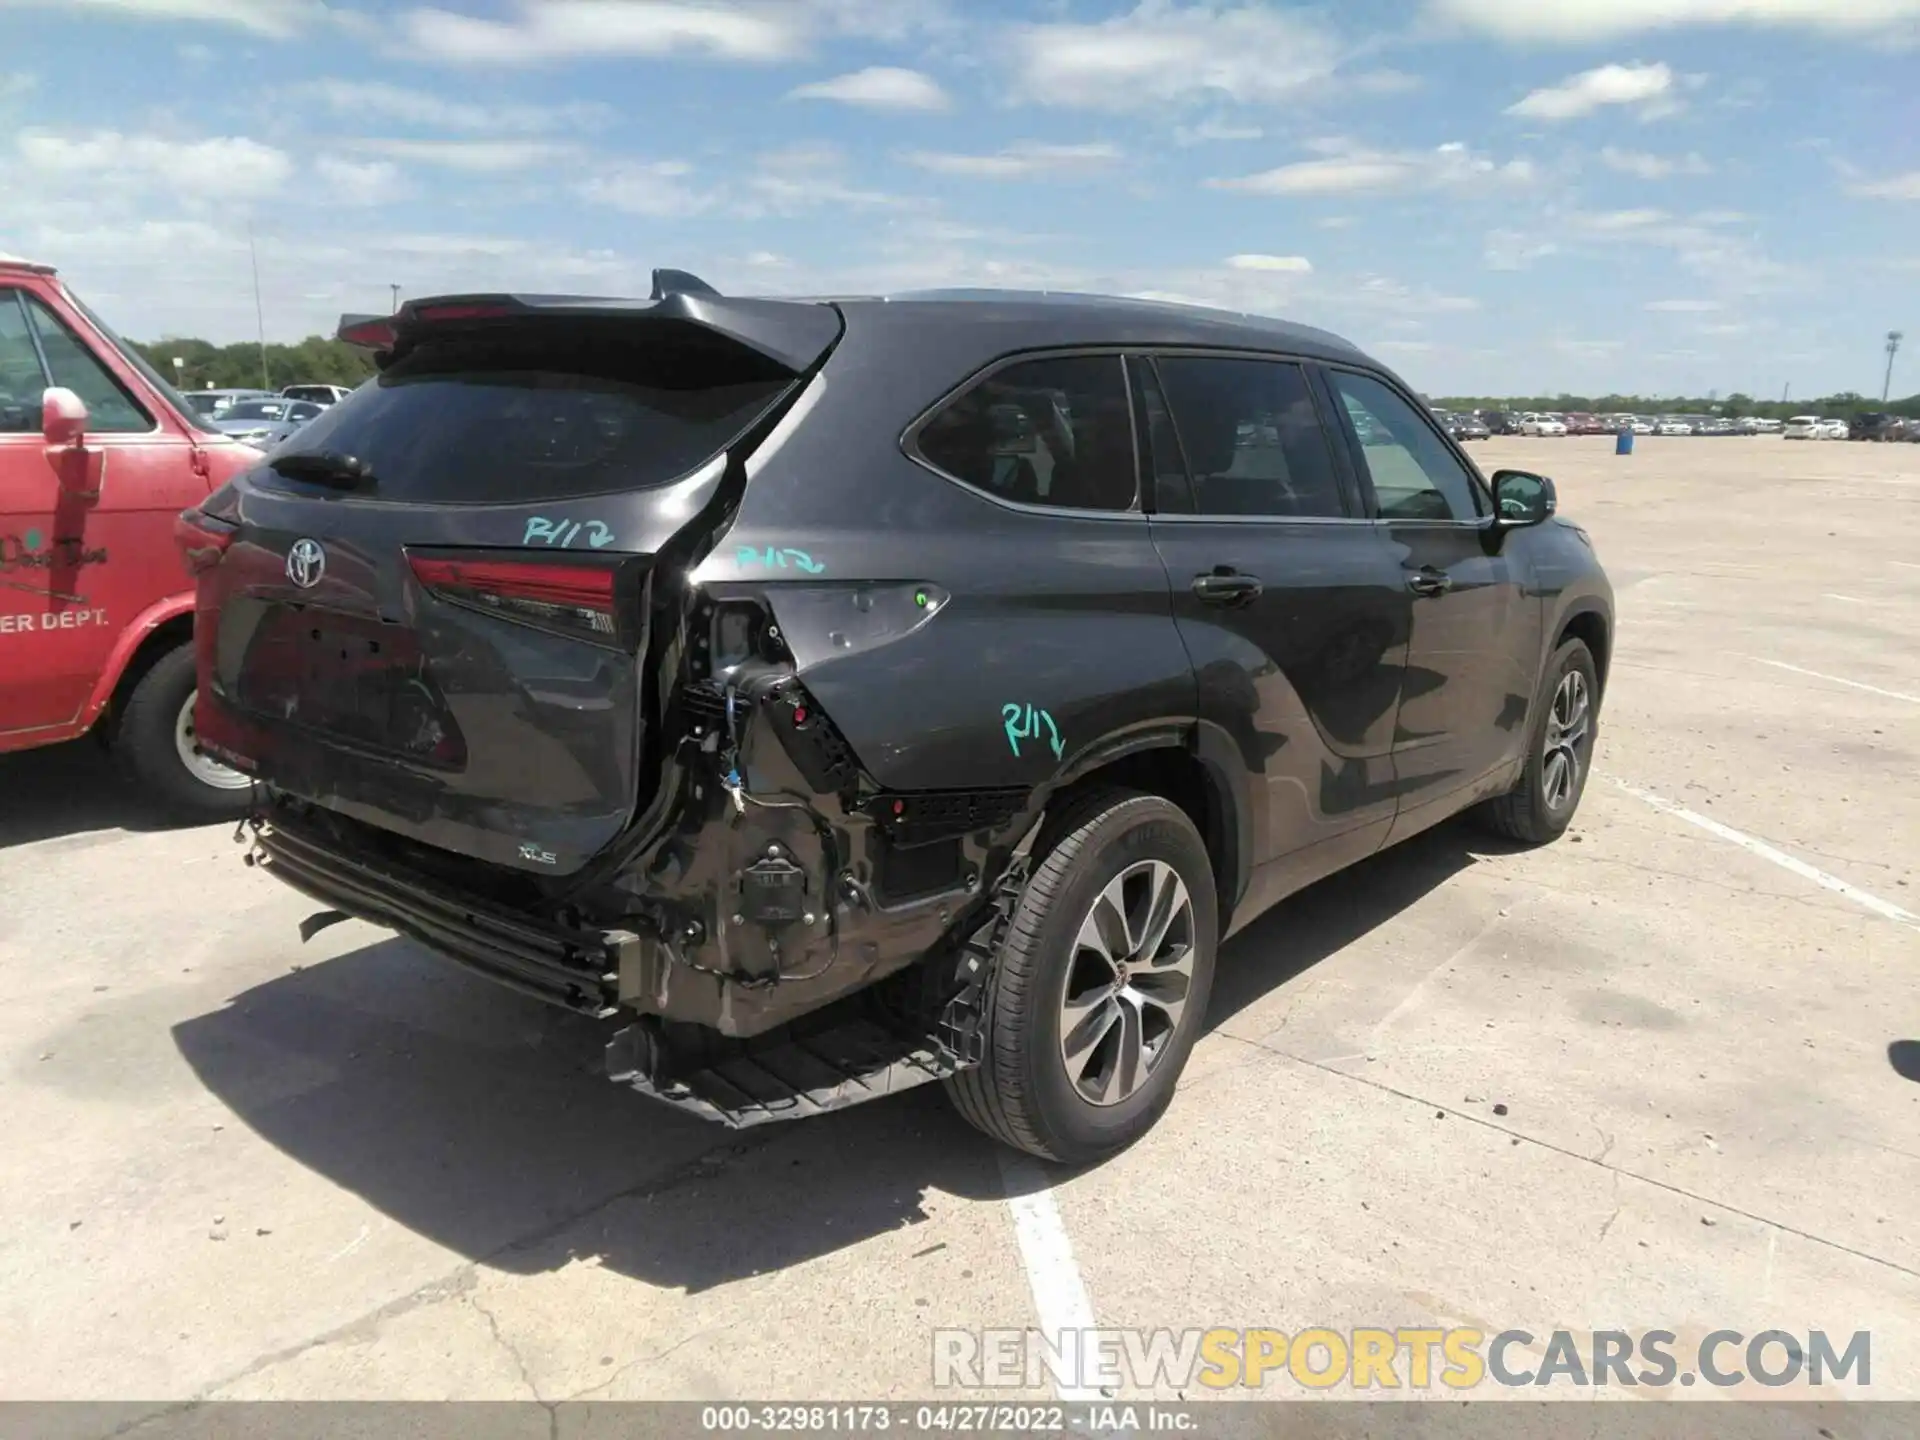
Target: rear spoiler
[{"x": 793, "y": 334}]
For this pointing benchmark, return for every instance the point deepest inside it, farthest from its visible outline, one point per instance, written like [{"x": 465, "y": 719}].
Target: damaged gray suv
[{"x": 835, "y": 695}]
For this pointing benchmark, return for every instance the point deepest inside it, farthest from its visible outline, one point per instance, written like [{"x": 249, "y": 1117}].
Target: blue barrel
[{"x": 1623, "y": 441}]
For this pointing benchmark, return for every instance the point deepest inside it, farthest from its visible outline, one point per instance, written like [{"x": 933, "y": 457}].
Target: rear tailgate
[{"x": 435, "y": 619}]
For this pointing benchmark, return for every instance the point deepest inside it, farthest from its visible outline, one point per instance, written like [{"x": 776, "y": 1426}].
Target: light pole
[
  {"x": 1894, "y": 337},
  {"x": 396, "y": 299}
]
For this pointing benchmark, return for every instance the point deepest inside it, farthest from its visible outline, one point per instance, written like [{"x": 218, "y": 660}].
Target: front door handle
[
  {"x": 1429, "y": 581},
  {"x": 1227, "y": 587}
]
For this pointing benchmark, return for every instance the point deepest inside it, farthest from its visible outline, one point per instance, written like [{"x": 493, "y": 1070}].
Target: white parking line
[
  {"x": 1060, "y": 1300},
  {"x": 1837, "y": 680},
  {"x": 1865, "y": 901}
]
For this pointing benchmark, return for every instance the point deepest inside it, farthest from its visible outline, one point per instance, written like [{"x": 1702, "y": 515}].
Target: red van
[{"x": 98, "y": 455}]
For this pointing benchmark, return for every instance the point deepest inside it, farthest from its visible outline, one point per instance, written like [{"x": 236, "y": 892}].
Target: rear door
[
  {"x": 1290, "y": 605},
  {"x": 1476, "y": 628},
  {"x": 444, "y": 633}
]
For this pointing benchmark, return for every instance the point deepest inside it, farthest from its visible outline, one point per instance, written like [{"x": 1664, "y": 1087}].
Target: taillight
[
  {"x": 201, "y": 539},
  {"x": 576, "y": 598}
]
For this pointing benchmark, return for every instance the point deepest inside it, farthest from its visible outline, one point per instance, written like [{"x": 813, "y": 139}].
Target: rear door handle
[
  {"x": 1429, "y": 582},
  {"x": 1227, "y": 587}
]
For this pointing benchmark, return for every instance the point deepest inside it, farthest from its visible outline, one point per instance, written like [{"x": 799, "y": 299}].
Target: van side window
[
  {"x": 1252, "y": 437},
  {"x": 1055, "y": 432},
  {"x": 110, "y": 410},
  {"x": 21, "y": 379}
]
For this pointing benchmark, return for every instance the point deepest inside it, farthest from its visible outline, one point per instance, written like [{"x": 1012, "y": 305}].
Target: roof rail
[{"x": 679, "y": 282}]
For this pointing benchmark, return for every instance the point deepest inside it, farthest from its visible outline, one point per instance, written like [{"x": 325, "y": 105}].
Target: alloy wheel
[
  {"x": 1127, "y": 982},
  {"x": 1569, "y": 723}
]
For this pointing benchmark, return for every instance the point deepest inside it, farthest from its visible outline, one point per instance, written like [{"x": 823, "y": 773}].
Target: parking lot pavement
[{"x": 242, "y": 1167}]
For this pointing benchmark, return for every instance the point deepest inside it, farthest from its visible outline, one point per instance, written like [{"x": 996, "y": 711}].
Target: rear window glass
[{"x": 518, "y": 415}]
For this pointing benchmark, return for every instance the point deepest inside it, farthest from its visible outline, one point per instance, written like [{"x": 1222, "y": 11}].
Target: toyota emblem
[{"x": 306, "y": 563}]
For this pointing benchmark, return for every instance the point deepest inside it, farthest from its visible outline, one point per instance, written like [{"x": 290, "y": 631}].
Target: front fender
[{"x": 132, "y": 638}]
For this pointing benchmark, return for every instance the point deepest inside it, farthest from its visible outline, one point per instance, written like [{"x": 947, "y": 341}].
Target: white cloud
[
  {"x": 1622, "y": 219},
  {"x": 275, "y": 19},
  {"x": 658, "y": 188},
  {"x": 557, "y": 29},
  {"x": 479, "y": 157},
  {"x": 1683, "y": 307},
  {"x": 14, "y": 86},
  {"x": 1644, "y": 86},
  {"x": 1895, "y": 187},
  {"x": 1285, "y": 264},
  {"x": 1163, "y": 54},
  {"x": 1574, "y": 21},
  {"x": 227, "y": 168},
  {"x": 1348, "y": 169},
  {"x": 799, "y": 178},
  {"x": 1022, "y": 160},
  {"x": 373, "y": 99},
  {"x": 353, "y": 182},
  {"x": 1652, "y": 167},
  {"x": 879, "y": 87},
  {"x": 1514, "y": 250},
  {"x": 1214, "y": 130}
]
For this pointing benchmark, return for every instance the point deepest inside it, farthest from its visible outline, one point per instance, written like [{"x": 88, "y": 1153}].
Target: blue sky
[{"x": 1496, "y": 196}]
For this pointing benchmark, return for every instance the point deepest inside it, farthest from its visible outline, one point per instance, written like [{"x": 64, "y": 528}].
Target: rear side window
[
  {"x": 1253, "y": 441},
  {"x": 548, "y": 411},
  {"x": 1055, "y": 431},
  {"x": 110, "y": 410}
]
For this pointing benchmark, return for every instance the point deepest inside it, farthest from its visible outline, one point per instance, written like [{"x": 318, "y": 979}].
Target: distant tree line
[
  {"x": 314, "y": 361},
  {"x": 1842, "y": 406}
]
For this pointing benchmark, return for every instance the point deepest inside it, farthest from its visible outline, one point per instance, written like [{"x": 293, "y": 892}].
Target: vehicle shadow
[
  {"x": 1904, "y": 1056},
  {"x": 480, "y": 1120},
  {"x": 68, "y": 789}
]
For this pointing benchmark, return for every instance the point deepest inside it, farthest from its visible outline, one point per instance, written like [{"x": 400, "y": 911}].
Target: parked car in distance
[
  {"x": 1805, "y": 427},
  {"x": 1672, "y": 425},
  {"x": 318, "y": 394},
  {"x": 1538, "y": 424},
  {"x": 1500, "y": 422},
  {"x": 265, "y": 423},
  {"x": 215, "y": 403},
  {"x": 1833, "y": 428},
  {"x": 1581, "y": 423},
  {"x": 1466, "y": 427},
  {"x": 98, "y": 456},
  {"x": 521, "y": 554},
  {"x": 1876, "y": 426}
]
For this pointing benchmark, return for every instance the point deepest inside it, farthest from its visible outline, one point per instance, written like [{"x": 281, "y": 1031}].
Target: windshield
[
  {"x": 259, "y": 410},
  {"x": 194, "y": 419}
]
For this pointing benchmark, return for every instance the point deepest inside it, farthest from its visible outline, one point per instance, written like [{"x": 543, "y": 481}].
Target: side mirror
[
  {"x": 63, "y": 422},
  {"x": 63, "y": 417},
  {"x": 1521, "y": 498}
]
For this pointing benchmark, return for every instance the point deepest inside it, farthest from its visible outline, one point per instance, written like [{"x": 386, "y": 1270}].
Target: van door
[{"x": 75, "y": 567}]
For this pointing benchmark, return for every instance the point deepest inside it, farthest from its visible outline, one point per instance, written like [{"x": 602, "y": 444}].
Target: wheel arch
[
  {"x": 158, "y": 630},
  {"x": 1175, "y": 765},
  {"x": 1591, "y": 625}
]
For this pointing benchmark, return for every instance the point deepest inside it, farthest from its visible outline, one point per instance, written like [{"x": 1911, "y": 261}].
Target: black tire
[
  {"x": 1523, "y": 813},
  {"x": 144, "y": 747},
  {"x": 1021, "y": 1093}
]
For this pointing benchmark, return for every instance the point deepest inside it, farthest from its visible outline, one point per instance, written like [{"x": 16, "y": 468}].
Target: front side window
[
  {"x": 110, "y": 410},
  {"x": 1055, "y": 431},
  {"x": 1415, "y": 476},
  {"x": 1253, "y": 441},
  {"x": 21, "y": 378}
]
